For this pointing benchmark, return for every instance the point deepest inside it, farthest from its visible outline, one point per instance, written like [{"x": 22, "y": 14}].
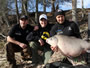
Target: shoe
[
  {"x": 32, "y": 64},
  {"x": 65, "y": 60},
  {"x": 12, "y": 66}
]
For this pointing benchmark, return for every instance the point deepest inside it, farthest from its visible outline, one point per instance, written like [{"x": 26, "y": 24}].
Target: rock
[{"x": 55, "y": 57}]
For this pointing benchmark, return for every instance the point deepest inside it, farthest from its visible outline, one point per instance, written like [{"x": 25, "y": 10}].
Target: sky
[
  {"x": 79, "y": 4},
  {"x": 68, "y": 6}
]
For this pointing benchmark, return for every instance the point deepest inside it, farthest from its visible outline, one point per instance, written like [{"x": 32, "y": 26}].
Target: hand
[
  {"x": 70, "y": 20},
  {"x": 41, "y": 42},
  {"x": 36, "y": 28},
  {"x": 22, "y": 45},
  {"x": 54, "y": 48}
]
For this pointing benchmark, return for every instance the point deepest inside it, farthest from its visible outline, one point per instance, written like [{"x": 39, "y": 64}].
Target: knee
[
  {"x": 8, "y": 45},
  {"x": 32, "y": 44}
]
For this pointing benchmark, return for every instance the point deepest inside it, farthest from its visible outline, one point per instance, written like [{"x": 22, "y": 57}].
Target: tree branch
[{"x": 2, "y": 35}]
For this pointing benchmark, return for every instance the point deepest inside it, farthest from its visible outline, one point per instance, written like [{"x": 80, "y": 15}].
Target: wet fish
[{"x": 69, "y": 46}]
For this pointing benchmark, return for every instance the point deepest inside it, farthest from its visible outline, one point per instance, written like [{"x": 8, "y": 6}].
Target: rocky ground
[
  {"x": 20, "y": 63},
  {"x": 27, "y": 64},
  {"x": 83, "y": 24}
]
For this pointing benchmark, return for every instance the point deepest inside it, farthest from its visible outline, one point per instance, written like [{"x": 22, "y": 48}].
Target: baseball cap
[
  {"x": 42, "y": 16},
  {"x": 24, "y": 17},
  {"x": 59, "y": 12}
]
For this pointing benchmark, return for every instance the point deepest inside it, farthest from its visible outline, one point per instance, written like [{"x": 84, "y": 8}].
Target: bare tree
[
  {"x": 53, "y": 6},
  {"x": 83, "y": 11},
  {"x": 57, "y": 6},
  {"x": 36, "y": 14},
  {"x": 17, "y": 12},
  {"x": 74, "y": 7},
  {"x": 44, "y": 2},
  {"x": 5, "y": 17},
  {"x": 24, "y": 7},
  {"x": 4, "y": 12},
  {"x": 57, "y": 3}
]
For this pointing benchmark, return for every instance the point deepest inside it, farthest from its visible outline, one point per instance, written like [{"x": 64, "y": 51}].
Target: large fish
[{"x": 69, "y": 46}]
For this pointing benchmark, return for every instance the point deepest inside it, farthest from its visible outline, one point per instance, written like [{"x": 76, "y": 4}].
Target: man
[
  {"x": 64, "y": 27},
  {"x": 38, "y": 40},
  {"x": 17, "y": 40}
]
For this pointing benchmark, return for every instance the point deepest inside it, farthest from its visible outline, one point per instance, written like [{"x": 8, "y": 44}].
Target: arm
[
  {"x": 36, "y": 28},
  {"x": 41, "y": 42},
  {"x": 11, "y": 36},
  {"x": 76, "y": 30},
  {"x": 32, "y": 36},
  {"x": 10, "y": 39},
  {"x": 53, "y": 30}
]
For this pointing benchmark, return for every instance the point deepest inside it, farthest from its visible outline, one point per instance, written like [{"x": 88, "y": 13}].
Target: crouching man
[{"x": 17, "y": 40}]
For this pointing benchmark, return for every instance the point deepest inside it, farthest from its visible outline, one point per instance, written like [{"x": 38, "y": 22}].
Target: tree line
[{"x": 18, "y": 7}]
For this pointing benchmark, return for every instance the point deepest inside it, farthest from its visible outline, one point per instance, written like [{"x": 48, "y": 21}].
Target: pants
[
  {"x": 11, "y": 49},
  {"x": 35, "y": 46}
]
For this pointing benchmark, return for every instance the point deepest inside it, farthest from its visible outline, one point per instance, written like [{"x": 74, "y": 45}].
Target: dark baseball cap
[
  {"x": 59, "y": 12},
  {"x": 24, "y": 17}
]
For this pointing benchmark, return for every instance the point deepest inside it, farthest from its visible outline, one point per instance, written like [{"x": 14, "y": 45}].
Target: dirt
[{"x": 83, "y": 24}]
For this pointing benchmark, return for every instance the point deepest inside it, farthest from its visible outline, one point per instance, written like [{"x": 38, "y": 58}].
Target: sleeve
[
  {"x": 32, "y": 36},
  {"x": 76, "y": 30},
  {"x": 31, "y": 28},
  {"x": 53, "y": 30},
  {"x": 12, "y": 32}
]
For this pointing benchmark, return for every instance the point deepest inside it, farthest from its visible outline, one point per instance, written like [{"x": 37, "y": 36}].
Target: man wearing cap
[
  {"x": 17, "y": 39},
  {"x": 64, "y": 27},
  {"x": 38, "y": 40}
]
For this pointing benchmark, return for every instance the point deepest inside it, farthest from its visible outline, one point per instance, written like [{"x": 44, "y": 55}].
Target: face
[
  {"x": 23, "y": 23},
  {"x": 60, "y": 19},
  {"x": 43, "y": 22}
]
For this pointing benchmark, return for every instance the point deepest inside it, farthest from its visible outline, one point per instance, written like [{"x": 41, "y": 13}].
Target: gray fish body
[{"x": 70, "y": 46}]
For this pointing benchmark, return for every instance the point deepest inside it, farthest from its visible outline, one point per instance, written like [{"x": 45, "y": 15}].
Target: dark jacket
[
  {"x": 42, "y": 33},
  {"x": 67, "y": 28},
  {"x": 20, "y": 34}
]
